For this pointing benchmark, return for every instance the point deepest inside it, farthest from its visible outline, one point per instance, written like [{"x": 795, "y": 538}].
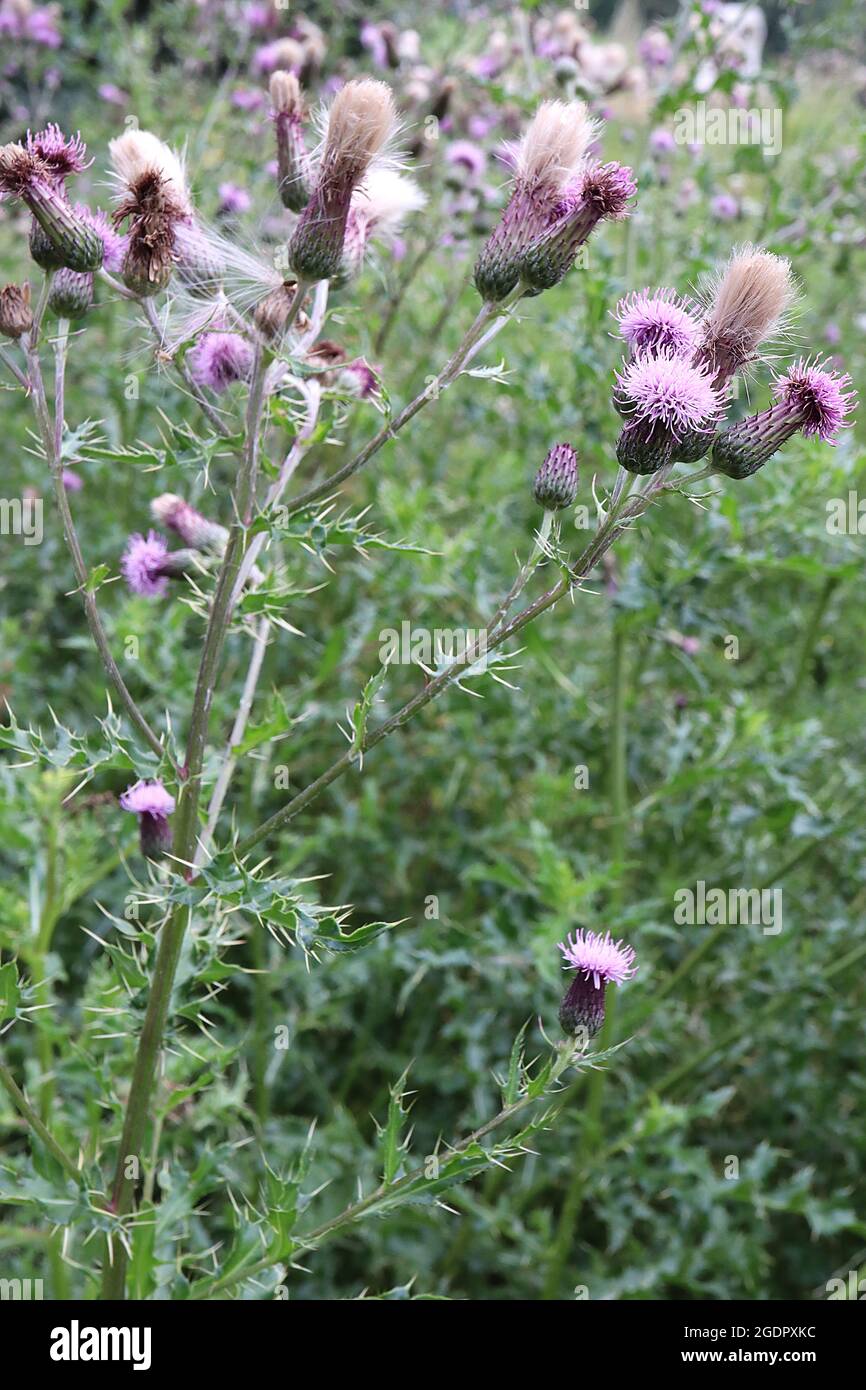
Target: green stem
[
  {"x": 185, "y": 835},
  {"x": 25, "y": 1109},
  {"x": 810, "y": 636},
  {"x": 591, "y": 1133}
]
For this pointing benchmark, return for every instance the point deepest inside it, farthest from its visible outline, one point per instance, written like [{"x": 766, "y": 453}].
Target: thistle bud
[
  {"x": 186, "y": 521},
  {"x": 361, "y": 119},
  {"x": 808, "y": 398},
  {"x": 294, "y": 167},
  {"x": 643, "y": 452},
  {"x": 71, "y": 294},
  {"x": 16, "y": 315},
  {"x": 555, "y": 485}
]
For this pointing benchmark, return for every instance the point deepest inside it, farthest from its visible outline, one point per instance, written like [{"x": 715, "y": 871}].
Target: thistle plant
[{"x": 246, "y": 341}]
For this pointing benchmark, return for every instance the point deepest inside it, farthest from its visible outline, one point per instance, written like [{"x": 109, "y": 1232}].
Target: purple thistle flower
[
  {"x": 220, "y": 359},
  {"x": 598, "y": 961},
  {"x": 661, "y": 141},
  {"x": 113, "y": 243},
  {"x": 358, "y": 379},
  {"x": 143, "y": 564},
  {"x": 808, "y": 398},
  {"x": 58, "y": 237},
  {"x": 64, "y": 155},
  {"x": 651, "y": 320},
  {"x": 233, "y": 199},
  {"x": 150, "y": 801},
  {"x": 820, "y": 397},
  {"x": 668, "y": 392},
  {"x": 602, "y": 191},
  {"x": 72, "y": 481},
  {"x": 725, "y": 207},
  {"x": 466, "y": 155},
  {"x": 665, "y": 399}
]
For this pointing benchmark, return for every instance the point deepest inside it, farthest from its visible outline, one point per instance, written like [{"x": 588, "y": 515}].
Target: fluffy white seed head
[
  {"x": 555, "y": 143},
  {"x": 385, "y": 199},
  {"x": 749, "y": 300},
  {"x": 361, "y": 121},
  {"x": 139, "y": 151}
]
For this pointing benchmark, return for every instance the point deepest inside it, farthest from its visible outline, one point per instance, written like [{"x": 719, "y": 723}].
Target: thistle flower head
[
  {"x": 59, "y": 237},
  {"x": 653, "y": 319},
  {"x": 152, "y": 210},
  {"x": 746, "y": 305},
  {"x": 153, "y": 805},
  {"x": 820, "y": 398},
  {"x": 808, "y": 398},
  {"x": 148, "y": 798},
  {"x": 546, "y": 161},
  {"x": 20, "y": 170},
  {"x": 285, "y": 90},
  {"x": 598, "y": 957},
  {"x": 668, "y": 394},
  {"x": 139, "y": 152},
  {"x": 598, "y": 961},
  {"x": 606, "y": 190},
  {"x": 555, "y": 484},
  {"x": 220, "y": 359},
  {"x": 143, "y": 565},
  {"x": 63, "y": 155},
  {"x": 360, "y": 122}
]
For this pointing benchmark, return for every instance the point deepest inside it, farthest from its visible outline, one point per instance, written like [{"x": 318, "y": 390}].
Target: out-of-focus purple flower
[
  {"x": 24, "y": 22},
  {"x": 233, "y": 200},
  {"x": 724, "y": 207},
  {"x": 598, "y": 961},
  {"x": 479, "y": 126},
  {"x": 649, "y": 320},
  {"x": 687, "y": 195},
  {"x": 247, "y": 99},
  {"x": 654, "y": 48},
  {"x": 72, "y": 481},
  {"x": 113, "y": 242},
  {"x": 465, "y": 154},
  {"x": 219, "y": 359},
  {"x": 143, "y": 565},
  {"x": 107, "y": 91},
  {"x": 832, "y": 333},
  {"x": 661, "y": 141},
  {"x": 373, "y": 40},
  {"x": 153, "y": 805}
]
